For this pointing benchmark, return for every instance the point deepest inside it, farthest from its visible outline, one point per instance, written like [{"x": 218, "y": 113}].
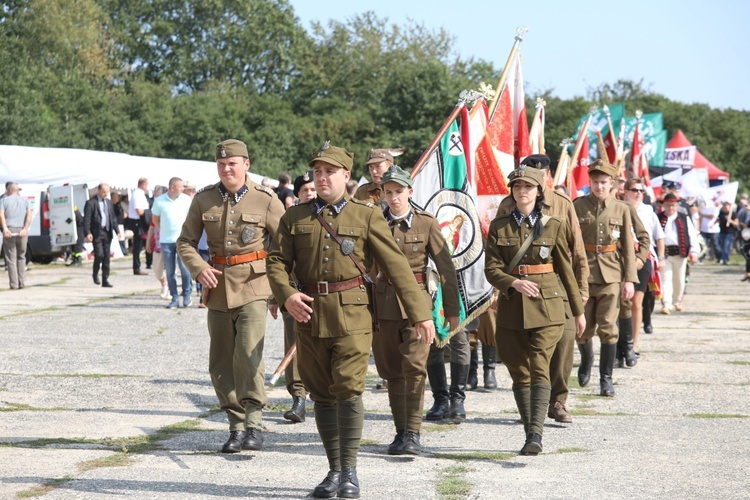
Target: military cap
[
  {"x": 301, "y": 180},
  {"x": 398, "y": 175},
  {"x": 604, "y": 167},
  {"x": 536, "y": 161},
  {"x": 378, "y": 155},
  {"x": 231, "y": 147},
  {"x": 670, "y": 198},
  {"x": 531, "y": 175},
  {"x": 333, "y": 155}
]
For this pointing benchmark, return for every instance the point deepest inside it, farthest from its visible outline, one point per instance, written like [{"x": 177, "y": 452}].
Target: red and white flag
[
  {"x": 635, "y": 153},
  {"x": 580, "y": 172}
]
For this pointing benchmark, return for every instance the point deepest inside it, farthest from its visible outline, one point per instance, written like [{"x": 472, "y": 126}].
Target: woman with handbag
[{"x": 527, "y": 260}]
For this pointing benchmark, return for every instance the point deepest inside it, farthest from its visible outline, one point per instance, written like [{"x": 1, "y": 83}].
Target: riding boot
[
  {"x": 587, "y": 361},
  {"x": 626, "y": 331},
  {"x": 473, "y": 380},
  {"x": 439, "y": 385},
  {"x": 606, "y": 364},
  {"x": 459, "y": 373},
  {"x": 623, "y": 324},
  {"x": 488, "y": 357}
]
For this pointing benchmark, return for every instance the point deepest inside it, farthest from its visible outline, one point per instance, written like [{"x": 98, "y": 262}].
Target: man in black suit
[{"x": 99, "y": 220}]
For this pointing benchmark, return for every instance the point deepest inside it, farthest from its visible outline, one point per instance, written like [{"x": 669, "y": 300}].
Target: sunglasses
[{"x": 633, "y": 190}]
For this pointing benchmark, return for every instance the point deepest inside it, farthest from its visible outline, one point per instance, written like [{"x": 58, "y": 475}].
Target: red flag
[
  {"x": 509, "y": 127},
  {"x": 635, "y": 153},
  {"x": 580, "y": 171},
  {"x": 610, "y": 145}
]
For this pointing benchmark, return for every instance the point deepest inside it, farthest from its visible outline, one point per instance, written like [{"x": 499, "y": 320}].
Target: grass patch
[
  {"x": 212, "y": 410},
  {"x": 593, "y": 413},
  {"x": 61, "y": 281},
  {"x": 29, "y": 312},
  {"x": 439, "y": 427},
  {"x": 86, "y": 375},
  {"x": 716, "y": 415},
  {"x": 43, "y": 489},
  {"x": 41, "y": 443},
  {"x": 452, "y": 485},
  {"x": 24, "y": 407},
  {"x": 571, "y": 450},
  {"x": 573, "y": 382},
  {"x": 368, "y": 442},
  {"x": 588, "y": 397},
  {"x": 476, "y": 455},
  {"x": 741, "y": 363},
  {"x": 117, "y": 460}
]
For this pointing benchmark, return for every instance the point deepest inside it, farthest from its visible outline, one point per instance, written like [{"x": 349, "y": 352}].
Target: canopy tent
[
  {"x": 53, "y": 166},
  {"x": 714, "y": 173}
]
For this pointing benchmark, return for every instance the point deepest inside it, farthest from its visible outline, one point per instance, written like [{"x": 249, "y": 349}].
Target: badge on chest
[
  {"x": 347, "y": 247},
  {"x": 248, "y": 233},
  {"x": 543, "y": 252}
]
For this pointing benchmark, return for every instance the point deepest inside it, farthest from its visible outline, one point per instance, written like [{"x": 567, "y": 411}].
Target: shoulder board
[
  {"x": 423, "y": 213},
  {"x": 362, "y": 202},
  {"x": 265, "y": 189},
  {"x": 561, "y": 195},
  {"x": 206, "y": 188}
]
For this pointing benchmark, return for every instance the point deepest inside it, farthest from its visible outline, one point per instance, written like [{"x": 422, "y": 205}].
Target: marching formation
[{"x": 374, "y": 271}]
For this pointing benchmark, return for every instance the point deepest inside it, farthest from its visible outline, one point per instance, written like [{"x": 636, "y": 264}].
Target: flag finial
[{"x": 520, "y": 31}]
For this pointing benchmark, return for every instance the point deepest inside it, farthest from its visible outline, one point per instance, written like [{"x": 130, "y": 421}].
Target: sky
[{"x": 690, "y": 51}]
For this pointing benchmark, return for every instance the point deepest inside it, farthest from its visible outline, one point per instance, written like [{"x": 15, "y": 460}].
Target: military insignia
[
  {"x": 223, "y": 153},
  {"x": 414, "y": 248},
  {"x": 306, "y": 177},
  {"x": 347, "y": 247},
  {"x": 248, "y": 233},
  {"x": 323, "y": 148},
  {"x": 544, "y": 252},
  {"x": 616, "y": 233}
]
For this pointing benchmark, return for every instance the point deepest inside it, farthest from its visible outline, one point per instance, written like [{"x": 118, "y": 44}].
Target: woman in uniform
[
  {"x": 400, "y": 354},
  {"x": 526, "y": 253}
]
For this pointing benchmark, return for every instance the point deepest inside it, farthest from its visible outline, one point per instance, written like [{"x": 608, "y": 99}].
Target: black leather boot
[
  {"x": 411, "y": 444},
  {"x": 488, "y": 357},
  {"x": 627, "y": 350},
  {"x": 622, "y": 324},
  {"x": 329, "y": 487},
  {"x": 397, "y": 446},
  {"x": 253, "y": 439},
  {"x": 349, "y": 485},
  {"x": 439, "y": 385},
  {"x": 587, "y": 361},
  {"x": 473, "y": 381},
  {"x": 606, "y": 364},
  {"x": 234, "y": 443},
  {"x": 459, "y": 373},
  {"x": 297, "y": 412}
]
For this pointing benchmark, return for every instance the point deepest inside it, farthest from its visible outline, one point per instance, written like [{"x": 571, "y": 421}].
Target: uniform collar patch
[
  {"x": 393, "y": 220},
  {"x": 519, "y": 217},
  {"x": 319, "y": 205},
  {"x": 226, "y": 195}
]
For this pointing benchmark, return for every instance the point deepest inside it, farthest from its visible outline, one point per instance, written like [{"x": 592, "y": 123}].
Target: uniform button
[
  {"x": 601, "y": 223},
  {"x": 526, "y": 256},
  {"x": 231, "y": 211},
  {"x": 555, "y": 293},
  {"x": 415, "y": 238},
  {"x": 326, "y": 247},
  {"x": 525, "y": 235},
  {"x": 325, "y": 259},
  {"x": 601, "y": 232},
  {"x": 351, "y": 232},
  {"x": 231, "y": 222},
  {"x": 398, "y": 240},
  {"x": 330, "y": 213},
  {"x": 327, "y": 235},
  {"x": 325, "y": 271},
  {"x": 229, "y": 243},
  {"x": 359, "y": 299},
  {"x": 230, "y": 232}
]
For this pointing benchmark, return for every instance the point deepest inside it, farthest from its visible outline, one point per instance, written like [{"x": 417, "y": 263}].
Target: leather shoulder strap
[
  {"x": 521, "y": 251},
  {"x": 337, "y": 239}
]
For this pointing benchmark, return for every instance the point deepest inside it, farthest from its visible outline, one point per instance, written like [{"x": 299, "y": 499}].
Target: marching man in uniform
[
  {"x": 238, "y": 216},
  {"x": 330, "y": 244}
]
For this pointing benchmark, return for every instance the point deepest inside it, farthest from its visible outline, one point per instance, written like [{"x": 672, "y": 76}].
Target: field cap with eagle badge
[
  {"x": 333, "y": 155},
  {"x": 231, "y": 147}
]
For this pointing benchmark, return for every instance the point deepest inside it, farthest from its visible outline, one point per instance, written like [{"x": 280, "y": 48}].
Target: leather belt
[
  {"x": 420, "y": 277},
  {"x": 327, "y": 287},
  {"x": 233, "y": 260},
  {"x": 600, "y": 248},
  {"x": 526, "y": 269}
]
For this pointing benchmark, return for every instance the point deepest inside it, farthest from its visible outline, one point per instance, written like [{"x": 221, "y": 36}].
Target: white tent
[{"x": 52, "y": 166}]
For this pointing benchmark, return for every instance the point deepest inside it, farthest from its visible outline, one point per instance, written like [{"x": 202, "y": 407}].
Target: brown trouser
[
  {"x": 291, "y": 375},
  {"x": 527, "y": 353},
  {"x": 561, "y": 364},
  {"x": 235, "y": 362},
  {"x": 601, "y": 313}
]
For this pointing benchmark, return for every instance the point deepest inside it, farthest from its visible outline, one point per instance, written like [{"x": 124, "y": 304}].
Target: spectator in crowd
[
  {"x": 15, "y": 218},
  {"x": 120, "y": 220},
  {"x": 709, "y": 227},
  {"x": 168, "y": 214},
  {"x": 154, "y": 246},
  {"x": 99, "y": 223},
  {"x": 727, "y": 225},
  {"x": 137, "y": 222},
  {"x": 351, "y": 187},
  {"x": 681, "y": 246},
  {"x": 284, "y": 191}
]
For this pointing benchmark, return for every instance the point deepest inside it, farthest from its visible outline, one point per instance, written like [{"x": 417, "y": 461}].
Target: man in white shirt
[
  {"x": 681, "y": 245},
  {"x": 710, "y": 227},
  {"x": 136, "y": 210}
]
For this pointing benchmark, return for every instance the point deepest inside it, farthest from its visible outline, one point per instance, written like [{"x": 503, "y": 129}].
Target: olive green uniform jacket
[
  {"x": 369, "y": 193},
  {"x": 559, "y": 205},
  {"x": 419, "y": 242},
  {"x": 514, "y": 309},
  {"x": 231, "y": 230},
  {"x": 304, "y": 245},
  {"x": 613, "y": 228}
]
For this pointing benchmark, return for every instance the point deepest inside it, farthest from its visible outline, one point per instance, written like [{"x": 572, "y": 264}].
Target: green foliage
[{"x": 170, "y": 78}]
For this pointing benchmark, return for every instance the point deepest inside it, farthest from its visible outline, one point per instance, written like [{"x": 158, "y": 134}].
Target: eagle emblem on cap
[
  {"x": 306, "y": 177},
  {"x": 223, "y": 152}
]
